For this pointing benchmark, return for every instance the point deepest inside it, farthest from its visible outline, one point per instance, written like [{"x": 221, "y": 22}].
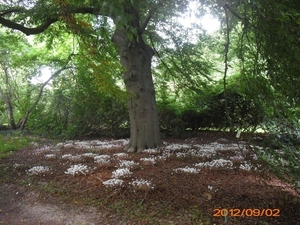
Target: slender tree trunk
[
  {"x": 11, "y": 118},
  {"x": 24, "y": 120},
  {"x": 136, "y": 59},
  {"x": 6, "y": 96}
]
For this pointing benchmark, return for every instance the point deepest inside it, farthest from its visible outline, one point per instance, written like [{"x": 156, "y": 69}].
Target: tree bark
[
  {"x": 135, "y": 57},
  {"x": 6, "y": 96}
]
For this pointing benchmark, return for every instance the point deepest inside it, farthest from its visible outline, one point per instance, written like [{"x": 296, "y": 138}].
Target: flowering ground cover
[{"x": 183, "y": 182}]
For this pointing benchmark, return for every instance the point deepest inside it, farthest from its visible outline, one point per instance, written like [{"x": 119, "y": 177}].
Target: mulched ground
[{"x": 176, "y": 197}]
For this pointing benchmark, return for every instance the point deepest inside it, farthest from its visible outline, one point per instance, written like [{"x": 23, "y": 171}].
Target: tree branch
[
  {"x": 41, "y": 28},
  {"x": 233, "y": 12},
  {"x": 23, "y": 121},
  {"x": 28, "y": 31},
  {"x": 149, "y": 16}
]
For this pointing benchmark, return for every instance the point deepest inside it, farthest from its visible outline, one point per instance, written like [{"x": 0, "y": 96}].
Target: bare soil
[{"x": 55, "y": 197}]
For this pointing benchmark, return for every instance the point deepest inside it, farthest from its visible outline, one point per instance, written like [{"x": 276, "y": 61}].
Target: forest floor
[{"x": 196, "y": 180}]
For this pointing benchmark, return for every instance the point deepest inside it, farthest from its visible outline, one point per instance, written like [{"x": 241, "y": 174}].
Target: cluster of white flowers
[
  {"x": 150, "y": 160},
  {"x": 68, "y": 146},
  {"x": 123, "y": 172},
  {"x": 66, "y": 156},
  {"x": 77, "y": 169},
  {"x": 207, "y": 151},
  {"x": 109, "y": 146},
  {"x": 89, "y": 154},
  {"x": 181, "y": 154},
  {"x": 127, "y": 163},
  {"x": 102, "y": 159},
  {"x": 121, "y": 155},
  {"x": 34, "y": 144},
  {"x": 245, "y": 166},
  {"x": 92, "y": 144},
  {"x": 38, "y": 169},
  {"x": 59, "y": 145},
  {"x": 16, "y": 165},
  {"x": 113, "y": 183},
  {"x": 151, "y": 151},
  {"x": 177, "y": 146},
  {"x": 215, "y": 163},
  {"x": 187, "y": 170},
  {"x": 120, "y": 142},
  {"x": 161, "y": 157},
  {"x": 237, "y": 158},
  {"x": 71, "y": 157},
  {"x": 141, "y": 184},
  {"x": 42, "y": 149},
  {"x": 50, "y": 156}
]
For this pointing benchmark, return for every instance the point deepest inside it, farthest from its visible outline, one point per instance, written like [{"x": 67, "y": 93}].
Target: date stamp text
[{"x": 246, "y": 212}]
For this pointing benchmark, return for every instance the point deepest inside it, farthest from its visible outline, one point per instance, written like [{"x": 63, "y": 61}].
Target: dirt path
[{"x": 20, "y": 206}]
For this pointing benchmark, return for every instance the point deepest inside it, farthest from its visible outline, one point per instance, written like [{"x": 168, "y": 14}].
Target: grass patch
[{"x": 14, "y": 141}]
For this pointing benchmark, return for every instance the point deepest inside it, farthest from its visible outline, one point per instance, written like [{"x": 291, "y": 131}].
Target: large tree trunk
[{"x": 136, "y": 58}]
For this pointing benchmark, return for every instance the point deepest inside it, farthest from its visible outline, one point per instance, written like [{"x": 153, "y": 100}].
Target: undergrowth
[{"x": 13, "y": 141}]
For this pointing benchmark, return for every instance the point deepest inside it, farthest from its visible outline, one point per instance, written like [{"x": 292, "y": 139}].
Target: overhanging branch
[
  {"x": 47, "y": 22},
  {"x": 28, "y": 31}
]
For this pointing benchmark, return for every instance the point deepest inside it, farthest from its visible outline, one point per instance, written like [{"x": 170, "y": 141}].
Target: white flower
[
  {"x": 89, "y": 154},
  {"x": 71, "y": 157},
  {"x": 38, "y": 169},
  {"x": 68, "y": 146},
  {"x": 187, "y": 170},
  {"x": 76, "y": 169},
  {"x": 34, "y": 144},
  {"x": 66, "y": 156},
  {"x": 151, "y": 151},
  {"x": 142, "y": 184},
  {"x": 181, "y": 154},
  {"x": 113, "y": 182},
  {"x": 245, "y": 166},
  {"x": 177, "y": 146},
  {"x": 216, "y": 163},
  {"x": 150, "y": 160},
  {"x": 210, "y": 187},
  {"x": 123, "y": 172},
  {"x": 16, "y": 165},
  {"x": 75, "y": 158},
  {"x": 50, "y": 156},
  {"x": 127, "y": 163},
  {"x": 236, "y": 158},
  {"x": 121, "y": 155},
  {"x": 102, "y": 159}
]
